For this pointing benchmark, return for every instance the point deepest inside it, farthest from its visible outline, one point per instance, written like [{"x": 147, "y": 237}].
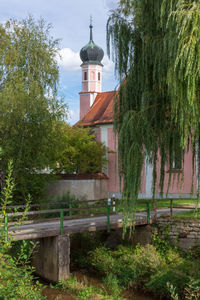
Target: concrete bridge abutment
[{"x": 51, "y": 259}]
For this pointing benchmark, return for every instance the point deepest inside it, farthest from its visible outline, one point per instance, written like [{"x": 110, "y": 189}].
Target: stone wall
[{"x": 185, "y": 233}]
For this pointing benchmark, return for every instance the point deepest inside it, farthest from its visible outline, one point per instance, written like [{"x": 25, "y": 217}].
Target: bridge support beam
[{"x": 52, "y": 258}]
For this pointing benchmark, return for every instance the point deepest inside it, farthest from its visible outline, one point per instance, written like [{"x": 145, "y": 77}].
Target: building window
[
  {"x": 85, "y": 75},
  {"x": 177, "y": 166},
  {"x": 99, "y": 76}
]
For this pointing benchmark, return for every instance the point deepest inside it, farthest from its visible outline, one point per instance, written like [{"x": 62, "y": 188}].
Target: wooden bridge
[{"x": 52, "y": 258}]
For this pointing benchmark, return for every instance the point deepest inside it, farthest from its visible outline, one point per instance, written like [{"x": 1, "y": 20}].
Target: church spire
[{"x": 91, "y": 35}]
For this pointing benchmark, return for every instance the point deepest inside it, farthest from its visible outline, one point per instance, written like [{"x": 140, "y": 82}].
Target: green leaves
[
  {"x": 155, "y": 44},
  {"x": 29, "y": 105},
  {"x": 80, "y": 152}
]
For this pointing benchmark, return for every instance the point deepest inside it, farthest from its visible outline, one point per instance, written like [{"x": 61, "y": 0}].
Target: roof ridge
[{"x": 113, "y": 91}]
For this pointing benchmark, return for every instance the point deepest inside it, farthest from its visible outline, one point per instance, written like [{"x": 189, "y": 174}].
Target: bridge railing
[{"x": 69, "y": 210}]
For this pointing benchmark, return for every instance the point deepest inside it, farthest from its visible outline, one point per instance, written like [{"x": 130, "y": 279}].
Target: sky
[{"x": 70, "y": 23}]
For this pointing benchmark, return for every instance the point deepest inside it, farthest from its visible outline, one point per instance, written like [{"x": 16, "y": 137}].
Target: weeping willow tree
[{"x": 156, "y": 47}]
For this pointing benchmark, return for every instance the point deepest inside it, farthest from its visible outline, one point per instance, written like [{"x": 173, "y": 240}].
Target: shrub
[
  {"x": 147, "y": 261},
  {"x": 101, "y": 258},
  {"x": 195, "y": 251},
  {"x": 160, "y": 282},
  {"x": 127, "y": 264},
  {"x": 17, "y": 282},
  {"x": 16, "y": 279},
  {"x": 192, "y": 290},
  {"x": 112, "y": 284}
]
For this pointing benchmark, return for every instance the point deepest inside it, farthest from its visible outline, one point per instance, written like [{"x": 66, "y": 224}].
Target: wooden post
[
  {"x": 108, "y": 215},
  {"x": 61, "y": 221},
  {"x": 70, "y": 212}
]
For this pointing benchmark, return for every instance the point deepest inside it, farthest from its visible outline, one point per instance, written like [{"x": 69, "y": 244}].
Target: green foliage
[
  {"x": 192, "y": 290},
  {"x": 195, "y": 252},
  {"x": 168, "y": 275},
  {"x": 16, "y": 282},
  {"x": 29, "y": 107},
  {"x": 162, "y": 244},
  {"x": 101, "y": 258},
  {"x": 82, "y": 290},
  {"x": 160, "y": 283},
  {"x": 147, "y": 261},
  {"x": 155, "y": 46},
  {"x": 112, "y": 284},
  {"x": 135, "y": 265},
  {"x": 80, "y": 152},
  {"x": 81, "y": 245},
  {"x": 16, "y": 279}
]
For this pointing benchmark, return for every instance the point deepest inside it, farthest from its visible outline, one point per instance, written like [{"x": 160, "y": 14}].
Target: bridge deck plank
[{"x": 52, "y": 227}]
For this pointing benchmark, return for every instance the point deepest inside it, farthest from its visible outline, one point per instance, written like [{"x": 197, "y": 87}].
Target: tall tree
[
  {"x": 155, "y": 44},
  {"x": 29, "y": 106},
  {"x": 80, "y": 152}
]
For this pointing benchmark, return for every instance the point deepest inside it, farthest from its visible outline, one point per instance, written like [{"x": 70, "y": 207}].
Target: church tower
[{"x": 91, "y": 56}]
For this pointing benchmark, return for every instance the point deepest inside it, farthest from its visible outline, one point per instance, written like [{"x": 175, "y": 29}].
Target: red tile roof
[
  {"x": 81, "y": 176},
  {"x": 101, "y": 112}
]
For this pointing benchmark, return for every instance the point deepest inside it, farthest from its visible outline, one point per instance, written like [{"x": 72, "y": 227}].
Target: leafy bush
[
  {"x": 159, "y": 282},
  {"x": 112, "y": 284},
  {"x": 82, "y": 290},
  {"x": 162, "y": 244},
  {"x": 192, "y": 290},
  {"x": 147, "y": 261},
  {"x": 173, "y": 276},
  {"x": 101, "y": 258},
  {"x": 16, "y": 282},
  {"x": 80, "y": 153},
  {"x": 16, "y": 279},
  {"x": 127, "y": 264}
]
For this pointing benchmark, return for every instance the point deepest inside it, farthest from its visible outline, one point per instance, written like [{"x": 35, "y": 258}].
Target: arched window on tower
[
  {"x": 85, "y": 75},
  {"x": 99, "y": 76}
]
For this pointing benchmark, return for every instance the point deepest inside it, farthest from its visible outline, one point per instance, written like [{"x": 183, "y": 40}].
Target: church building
[{"x": 96, "y": 111}]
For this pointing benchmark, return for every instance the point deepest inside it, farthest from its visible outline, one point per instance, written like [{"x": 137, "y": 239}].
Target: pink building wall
[
  {"x": 185, "y": 181},
  {"x": 181, "y": 180},
  {"x": 97, "y": 132},
  {"x": 84, "y": 104}
]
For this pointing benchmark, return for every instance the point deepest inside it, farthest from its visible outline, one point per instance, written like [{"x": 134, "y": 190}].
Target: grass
[
  {"x": 191, "y": 214},
  {"x": 84, "y": 290},
  {"x": 161, "y": 203}
]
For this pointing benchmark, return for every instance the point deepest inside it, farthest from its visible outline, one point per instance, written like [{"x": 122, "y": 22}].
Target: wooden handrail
[
  {"x": 54, "y": 203},
  {"x": 46, "y": 211}
]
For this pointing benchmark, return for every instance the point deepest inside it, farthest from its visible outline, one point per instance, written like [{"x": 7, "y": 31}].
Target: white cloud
[
  {"x": 69, "y": 59},
  {"x": 73, "y": 116},
  {"x": 108, "y": 64},
  {"x": 111, "y": 4}
]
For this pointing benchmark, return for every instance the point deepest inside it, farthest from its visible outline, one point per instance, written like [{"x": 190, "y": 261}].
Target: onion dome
[{"x": 91, "y": 53}]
